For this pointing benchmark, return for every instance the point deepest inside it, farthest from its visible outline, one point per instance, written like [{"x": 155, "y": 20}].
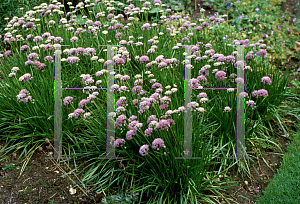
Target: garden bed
[{"x": 41, "y": 182}]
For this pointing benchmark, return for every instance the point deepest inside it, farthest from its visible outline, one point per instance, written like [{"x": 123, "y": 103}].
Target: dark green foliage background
[{"x": 11, "y": 8}]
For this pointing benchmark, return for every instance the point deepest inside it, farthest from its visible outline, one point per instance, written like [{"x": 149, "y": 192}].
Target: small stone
[
  {"x": 246, "y": 182},
  {"x": 72, "y": 191}
]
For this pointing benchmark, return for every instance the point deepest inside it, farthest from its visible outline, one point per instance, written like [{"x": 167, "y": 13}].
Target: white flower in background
[
  {"x": 215, "y": 70},
  {"x": 12, "y": 74},
  {"x": 168, "y": 92},
  {"x": 118, "y": 76},
  {"x": 174, "y": 90},
  {"x": 15, "y": 69},
  {"x": 152, "y": 81},
  {"x": 227, "y": 109},
  {"x": 35, "y": 48},
  {"x": 94, "y": 58},
  {"x": 86, "y": 115},
  {"x": 230, "y": 89},
  {"x": 206, "y": 66},
  {"x": 98, "y": 82},
  {"x": 111, "y": 115},
  {"x": 217, "y": 64},
  {"x": 203, "y": 100},
  {"x": 138, "y": 76},
  {"x": 139, "y": 44},
  {"x": 123, "y": 98},
  {"x": 200, "y": 109}
]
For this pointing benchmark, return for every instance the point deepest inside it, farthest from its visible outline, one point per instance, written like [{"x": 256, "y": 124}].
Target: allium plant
[{"x": 149, "y": 61}]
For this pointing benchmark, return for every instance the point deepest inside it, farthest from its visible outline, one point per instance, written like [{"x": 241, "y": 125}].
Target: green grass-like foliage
[{"x": 284, "y": 187}]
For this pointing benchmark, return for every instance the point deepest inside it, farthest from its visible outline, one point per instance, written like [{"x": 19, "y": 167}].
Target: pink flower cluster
[
  {"x": 25, "y": 77},
  {"x": 49, "y": 58},
  {"x": 119, "y": 142},
  {"x": 76, "y": 113},
  {"x": 87, "y": 79},
  {"x": 158, "y": 142},
  {"x": 22, "y": 94},
  {"x": 266, "y": 79},
  {"x": 220, "y": 75},
  {"x": 68, "y": 100},
  {"x": 261, "y": 92},
  {"x": 33, "y": 56},
  {"x": 25, "y": 48},
  {"x": 38, "y": 65},
  {"x": 73, "y": 60},
  {"x": 251, "y": 103}
]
